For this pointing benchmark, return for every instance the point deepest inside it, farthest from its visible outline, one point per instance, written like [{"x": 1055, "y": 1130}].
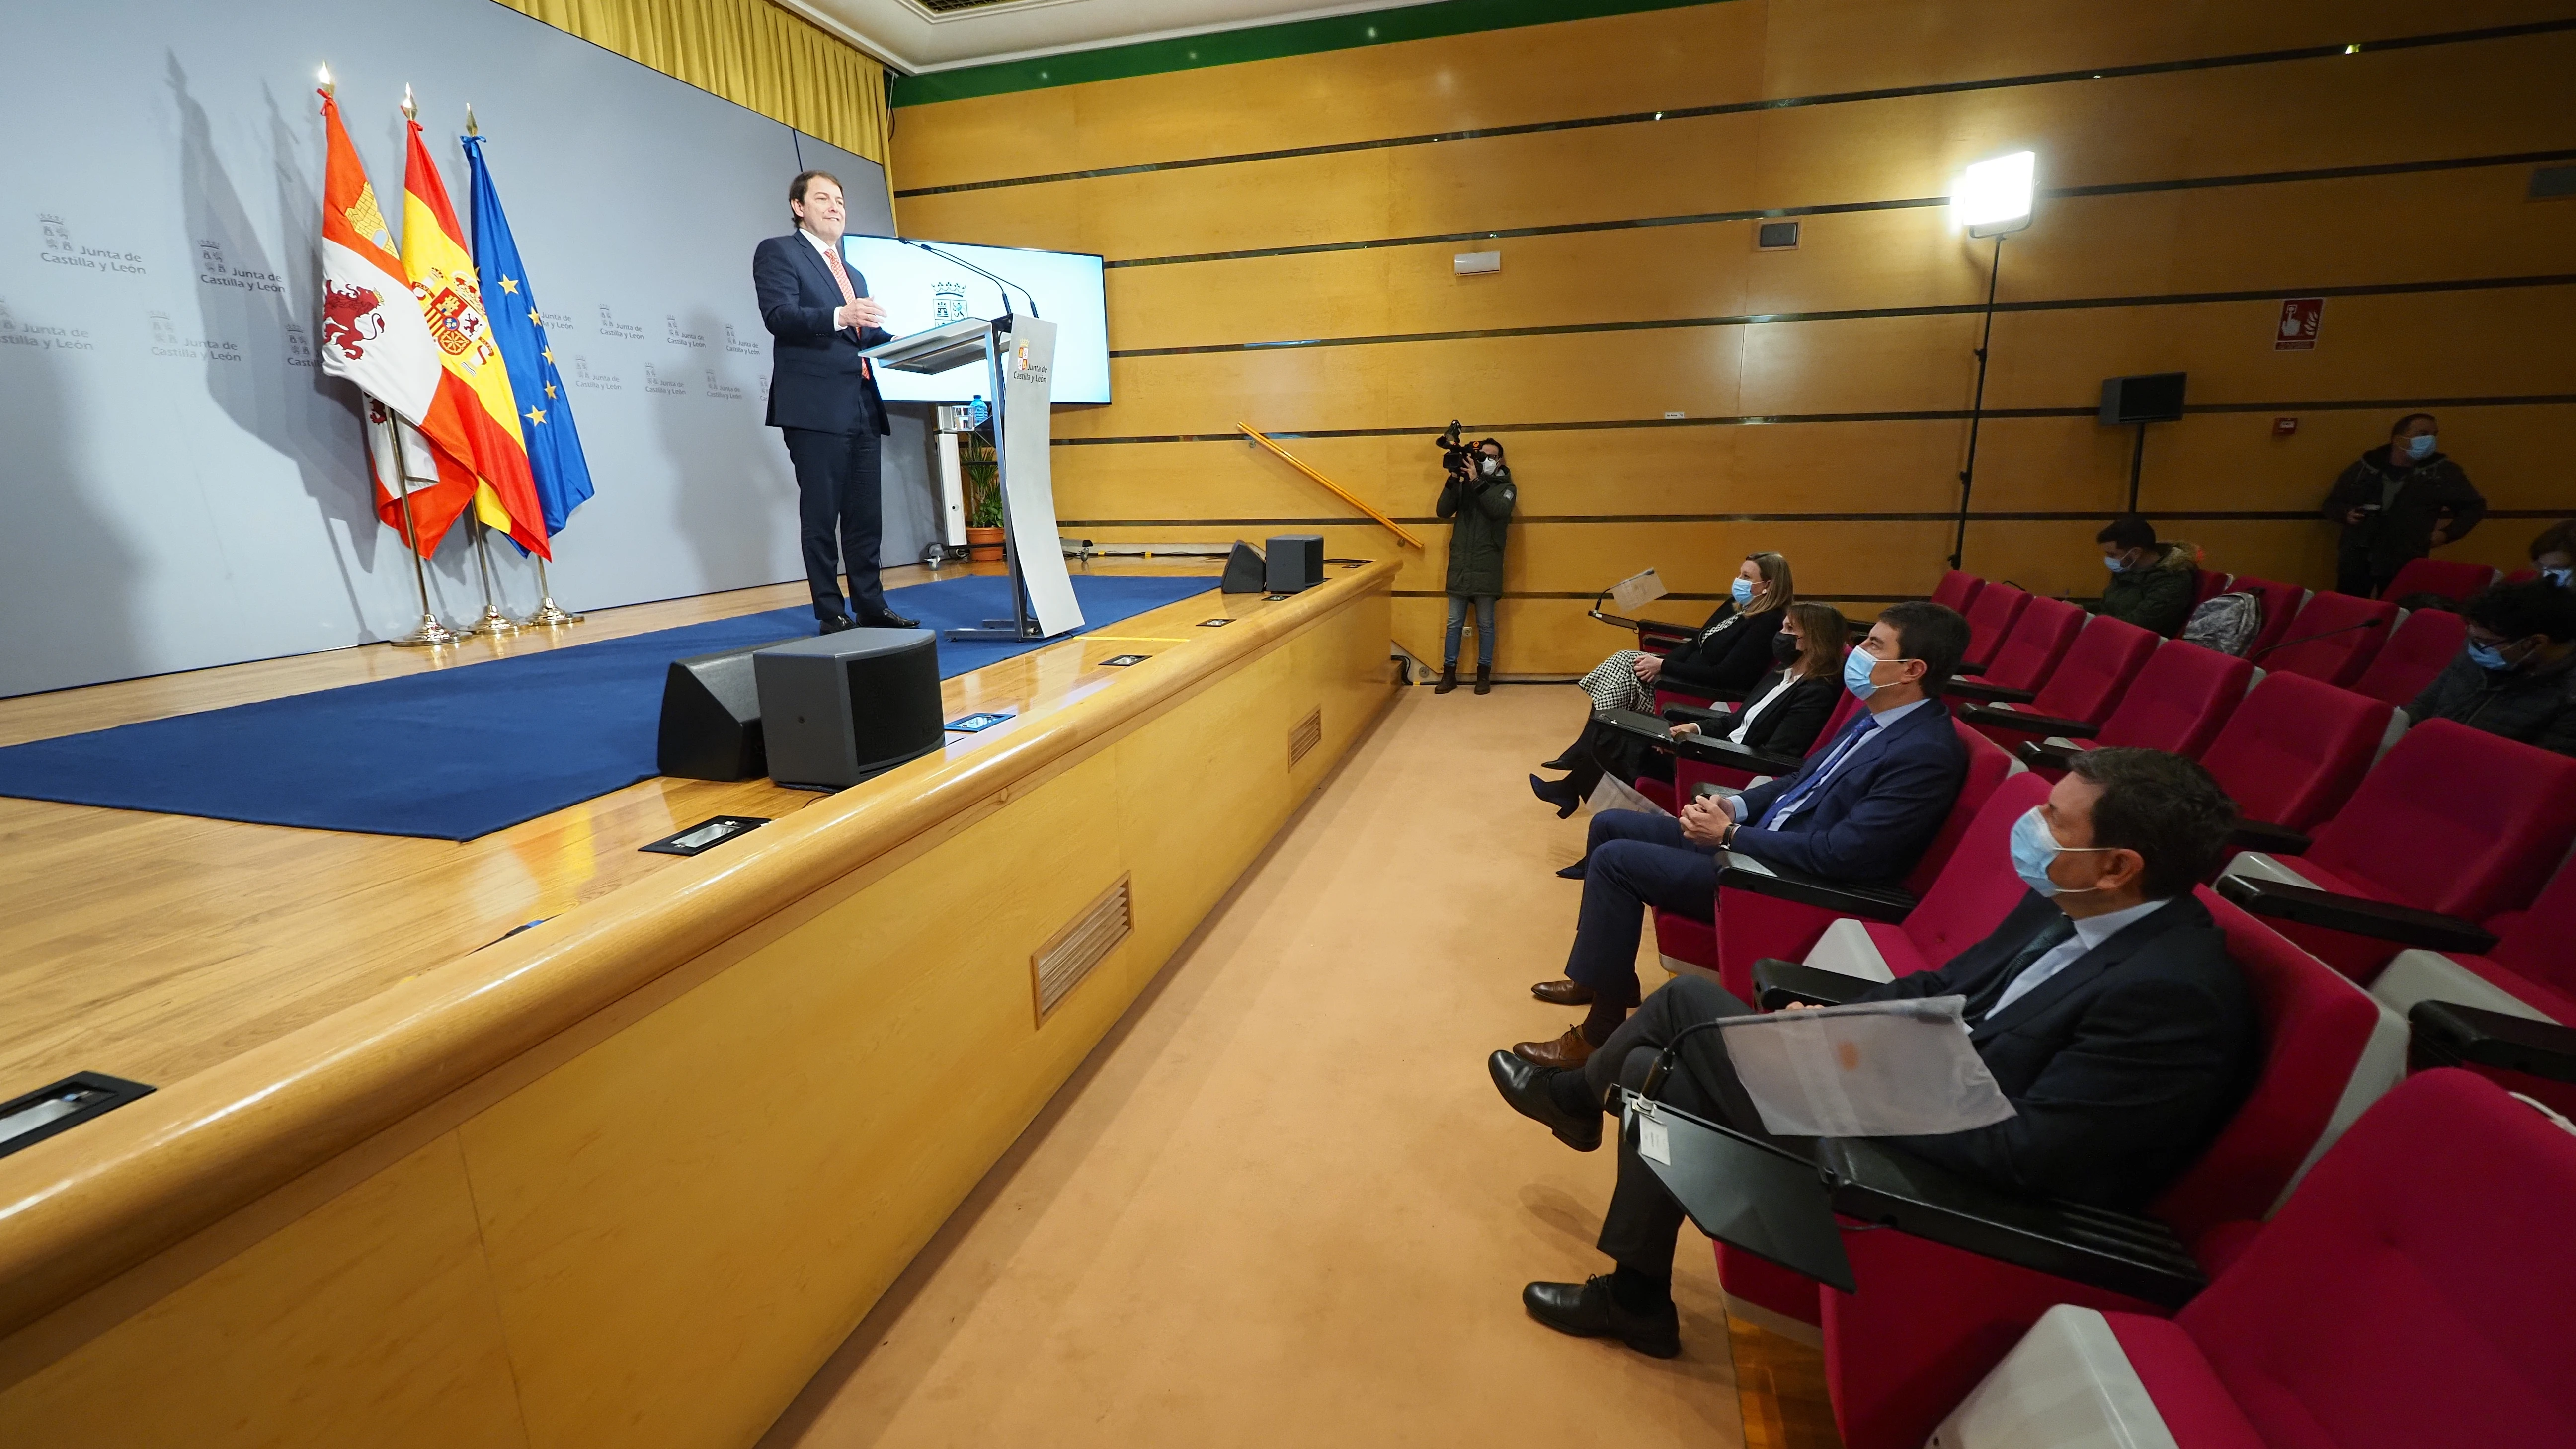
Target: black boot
[
  {"x": 1448, "y": 679},
  {"x": 1564, "y": 797},
  {"x": 1484, "y": 679}
]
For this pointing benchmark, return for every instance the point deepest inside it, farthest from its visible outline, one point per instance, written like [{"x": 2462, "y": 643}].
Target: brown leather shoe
[
  {"x": 1563, "y": 993},
  {"x": 1569, "y": 1050}
]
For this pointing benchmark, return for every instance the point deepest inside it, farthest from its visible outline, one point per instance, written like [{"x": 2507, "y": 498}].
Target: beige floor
[{"x": 1281, "y": 1205}]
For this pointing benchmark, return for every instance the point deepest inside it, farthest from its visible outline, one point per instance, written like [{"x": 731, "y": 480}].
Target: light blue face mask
[
  {"x": 2420, "y": 447},
  {"x": 2114, "y": 563},
  {"x": 1856, "y": 667},
  {"x": 2035, "y": 848},
  {"x": 2489, "y": 658},
  {"x": 2563, "y": 578},
  {"x": 1743, "y": 591}
]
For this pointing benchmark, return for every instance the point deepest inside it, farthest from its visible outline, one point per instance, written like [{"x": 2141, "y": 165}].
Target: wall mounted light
[{"x": 1992, "y": 197}]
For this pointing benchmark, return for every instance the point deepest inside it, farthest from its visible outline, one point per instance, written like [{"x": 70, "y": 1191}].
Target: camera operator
[{"x": 1479, "y": 495}]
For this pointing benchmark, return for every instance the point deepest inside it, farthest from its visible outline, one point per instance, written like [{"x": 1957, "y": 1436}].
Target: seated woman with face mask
[
  {"x": 1728, "y": 653},
  {"x": 1781, "y": 715}
]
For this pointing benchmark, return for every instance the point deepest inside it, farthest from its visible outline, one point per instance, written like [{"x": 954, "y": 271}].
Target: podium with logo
[{"x": 1019, "y": 361}]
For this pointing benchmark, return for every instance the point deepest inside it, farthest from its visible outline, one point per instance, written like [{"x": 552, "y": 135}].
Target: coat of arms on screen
[{"x": 947, "y": 303}]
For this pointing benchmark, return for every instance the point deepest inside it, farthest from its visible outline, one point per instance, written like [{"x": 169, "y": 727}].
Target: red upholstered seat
[
  {"x": 2420, "y": 647},
  {"x": 2280, "y": 605},
  {"x": 2040, "y": 637},
  {"x": 1929, "y": 1320},
  {"x": 2439, "y": 576},
  {"x": 1991, "y": 616},
  {"x": 1689, "y": 773},
  {"x": 2178, "y": 702},
  {"x": 2336, "y": 636},
  {"x": 2530, "y": 971},
  {"x": 2453, "y": 820},
  {"x": 2089, "y": 679},
  {"x": 2295, "y": 749},
  {"x": 2413, "y": 1293},
  {"x": 1957, "y": 590},
  {"x": 2206, "y": 586}
]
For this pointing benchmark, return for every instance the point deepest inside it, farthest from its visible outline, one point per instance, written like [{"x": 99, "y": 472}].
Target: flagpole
[
  {"x": 431, "y": 634},
  {"x": 494, "y": 624},
  {"x": 549, "y": 614}
]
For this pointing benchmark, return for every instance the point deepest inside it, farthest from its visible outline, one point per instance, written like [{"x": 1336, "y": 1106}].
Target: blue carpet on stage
[{"x": 462, "y": 752}]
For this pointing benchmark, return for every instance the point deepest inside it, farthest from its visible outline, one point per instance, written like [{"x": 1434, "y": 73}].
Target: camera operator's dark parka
[{"x": 1476, "y": 542}]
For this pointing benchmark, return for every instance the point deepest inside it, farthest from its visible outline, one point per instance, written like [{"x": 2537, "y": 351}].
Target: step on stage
[{"x": 628, "y": 1176}]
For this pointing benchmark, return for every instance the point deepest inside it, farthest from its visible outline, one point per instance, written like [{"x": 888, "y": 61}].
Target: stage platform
[{"x": 630, "y": 1175}]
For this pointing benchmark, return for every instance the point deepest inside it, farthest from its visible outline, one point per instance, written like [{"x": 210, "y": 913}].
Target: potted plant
[{"x": 983, "y": 498}]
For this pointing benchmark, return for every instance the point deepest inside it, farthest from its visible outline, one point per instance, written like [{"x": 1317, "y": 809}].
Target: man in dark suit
[
  {"x": 823, "y": 400},
  {"x": 2105, "y": 1006},
  {"x": 1860, "y": 812}
]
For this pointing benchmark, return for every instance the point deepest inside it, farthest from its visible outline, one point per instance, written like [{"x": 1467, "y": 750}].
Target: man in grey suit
[{"x": 823, "y": 399}]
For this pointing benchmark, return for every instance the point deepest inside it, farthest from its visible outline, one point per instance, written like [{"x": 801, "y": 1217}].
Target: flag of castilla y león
[
  {"x": 474, "y": 395},
  {"x": 372, "y": 332}
]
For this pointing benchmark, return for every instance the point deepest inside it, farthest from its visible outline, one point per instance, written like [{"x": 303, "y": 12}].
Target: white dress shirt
[{"x": 2090, "y": 932}]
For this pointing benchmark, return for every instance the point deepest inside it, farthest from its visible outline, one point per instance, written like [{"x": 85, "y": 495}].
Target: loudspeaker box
[
  {"x": 711, "y": 718},
  {"x": 2150, "y": 397},
  {"x": 841, "y": 707},
  {"x": 1243, "y": 570},
  {"x": 1296, "y": 562}
]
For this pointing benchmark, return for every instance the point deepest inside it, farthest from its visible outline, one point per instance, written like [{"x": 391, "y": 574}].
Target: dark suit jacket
[
  {"x": 1871, "y": 822},
  {"x": 1733, "y": 657},
  {"x": 1790, "y": 725},
  {"x": 2121, "y": 1067},
  {"x": 815, "y": 378}
]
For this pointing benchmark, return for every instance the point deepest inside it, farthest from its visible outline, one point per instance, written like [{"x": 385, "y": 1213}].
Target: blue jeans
[
  {"x": 1636, "y": 860},
  {"x": 1484, "y": 631}
]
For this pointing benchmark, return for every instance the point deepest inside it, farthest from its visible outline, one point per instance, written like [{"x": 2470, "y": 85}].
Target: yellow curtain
[{"x": 748, "y": 51}]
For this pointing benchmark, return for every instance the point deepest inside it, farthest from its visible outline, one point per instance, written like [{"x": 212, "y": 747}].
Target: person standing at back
[
  {"x": 823, "y": 400},
  {"x": 1481, "y": 502},
  {"x": 2399, "y": 503}
]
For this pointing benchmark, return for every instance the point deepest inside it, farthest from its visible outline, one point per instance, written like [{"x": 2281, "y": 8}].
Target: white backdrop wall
[{"x": 180, "y": 486}]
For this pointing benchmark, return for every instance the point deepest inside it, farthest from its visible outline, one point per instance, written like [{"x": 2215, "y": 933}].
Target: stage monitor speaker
[
  {"x": 1296, "y": 562},
  {"x": 711, "y": 718},
  {"x": 2152, "y": 397},
  {"x": 1244, "y": 571},
  {"x": 841, "y": 707}
]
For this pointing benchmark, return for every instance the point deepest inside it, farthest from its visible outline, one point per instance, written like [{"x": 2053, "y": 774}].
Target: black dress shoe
[
  {"x": 1576, "y": 870},
  {"x": 1563, "y": 993},
  {"x": 1586, "y": 1310},
  {"x": 1558, "y": 794},
  {"x": 888, "y": 619},
  {"x": 835, "y": 623},
  {"x": 1526, "y": 1088}
]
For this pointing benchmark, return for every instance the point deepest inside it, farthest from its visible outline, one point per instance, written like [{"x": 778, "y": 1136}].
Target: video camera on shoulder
[{"x": 1458, "y": 456}]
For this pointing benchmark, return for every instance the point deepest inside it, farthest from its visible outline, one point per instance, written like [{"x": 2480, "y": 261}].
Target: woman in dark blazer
[
  {"x": 1782, "y": 713},
  {"x": 1729, "y": 652}
]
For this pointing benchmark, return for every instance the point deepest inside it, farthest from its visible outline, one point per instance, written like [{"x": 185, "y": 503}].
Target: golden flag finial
[
  {"x": 471, "y": 129},
  {"x": 410, "y": 112},
  {"x": 325, "y": 76}
]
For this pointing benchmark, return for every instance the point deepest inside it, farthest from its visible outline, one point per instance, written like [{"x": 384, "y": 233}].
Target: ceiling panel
[{"x": 930, "y": 35}]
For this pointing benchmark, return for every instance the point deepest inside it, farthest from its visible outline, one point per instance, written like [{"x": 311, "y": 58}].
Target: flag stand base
[
  {"x": 551, "y": 615},
  {"x": 430, "y": 635},
  {"x": 493, "y": 625}
]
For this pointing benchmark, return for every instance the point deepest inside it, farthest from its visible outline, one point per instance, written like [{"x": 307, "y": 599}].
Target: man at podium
[{"x": 823, "y": 400}]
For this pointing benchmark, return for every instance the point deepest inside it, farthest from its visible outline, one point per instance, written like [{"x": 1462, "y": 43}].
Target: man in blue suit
[
  {"x": 1860, "y": 811},
  {"x": 823, "y": 399}
]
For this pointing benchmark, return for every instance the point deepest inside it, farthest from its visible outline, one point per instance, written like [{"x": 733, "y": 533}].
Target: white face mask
[{"x": 1493, "y": 466}]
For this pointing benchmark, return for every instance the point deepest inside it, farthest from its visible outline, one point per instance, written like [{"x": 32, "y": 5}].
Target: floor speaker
[
  {"x": 1296, "y": 562},
  {"x": 838, "y": 708},
  {"x": 711, "y": 718},
  {"x": 1244, "y": 571}
]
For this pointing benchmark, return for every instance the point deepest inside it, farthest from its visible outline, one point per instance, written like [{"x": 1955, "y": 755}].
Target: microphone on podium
[{"x": 979, "y": 271}]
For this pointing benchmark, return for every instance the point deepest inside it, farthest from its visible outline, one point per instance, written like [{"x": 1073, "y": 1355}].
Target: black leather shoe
[
  {"x": 888, "y": 619},
  {"x": 1525, "y": 1087},
  {"x": 1586, "y": 1310},
  {"x": 1558, "y": 794},
  {"x": 1563, "y": 993},
  {"x": 1576, "y": 870},
  {"x": 835, "y": 623},
  {"x": 1448, "y": 679}
]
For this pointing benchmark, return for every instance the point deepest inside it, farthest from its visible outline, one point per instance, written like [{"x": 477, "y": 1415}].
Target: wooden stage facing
[{"x": 630, "y": 1175}]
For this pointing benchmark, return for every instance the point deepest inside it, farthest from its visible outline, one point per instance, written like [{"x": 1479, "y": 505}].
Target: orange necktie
[{"x": 840, "y": 274}]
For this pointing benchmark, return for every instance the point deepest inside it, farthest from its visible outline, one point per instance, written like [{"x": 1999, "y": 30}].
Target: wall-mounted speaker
[
  {"x": 711, "y": 718},
  {"x": 838, "y": 708},
  {"x": 1296, "y": 562},
  {"x": 2151, "y": 397},
  {"x": 1245, "y": 573}
]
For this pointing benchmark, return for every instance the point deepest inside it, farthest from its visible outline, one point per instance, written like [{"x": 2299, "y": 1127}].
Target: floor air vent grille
[
  {"x": 1308, "y": 734},
  {"x": 1068, "y": 956}
]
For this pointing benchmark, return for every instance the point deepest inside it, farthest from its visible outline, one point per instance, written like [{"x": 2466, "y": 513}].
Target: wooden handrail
[
  {"x": 79, "y": 1210},
  {"x": 1344, "y": 494}
]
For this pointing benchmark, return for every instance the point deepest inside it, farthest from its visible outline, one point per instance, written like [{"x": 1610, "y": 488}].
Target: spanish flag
[{"x": 474, "y": 405}]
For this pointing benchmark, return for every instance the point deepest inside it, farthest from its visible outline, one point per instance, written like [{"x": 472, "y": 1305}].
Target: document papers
[
  {"x": 1872, "y": 1069},
  {"x": 1637, "y": 591},
  {"x": 1614, "y": 794}
]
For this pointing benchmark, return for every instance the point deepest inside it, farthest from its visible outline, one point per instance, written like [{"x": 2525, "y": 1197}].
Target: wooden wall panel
[{"x": 1874, "y": 432}]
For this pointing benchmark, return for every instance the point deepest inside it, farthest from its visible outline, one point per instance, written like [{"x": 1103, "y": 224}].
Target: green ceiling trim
[{"x": 1261, "y": 42}]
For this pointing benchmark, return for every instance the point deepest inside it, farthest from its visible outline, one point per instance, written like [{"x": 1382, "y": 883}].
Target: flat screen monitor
[{"x": 920, "y": 291}]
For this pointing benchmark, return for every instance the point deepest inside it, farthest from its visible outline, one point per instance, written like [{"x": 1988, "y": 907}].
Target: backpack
[{"x": 2225, "y": 622}]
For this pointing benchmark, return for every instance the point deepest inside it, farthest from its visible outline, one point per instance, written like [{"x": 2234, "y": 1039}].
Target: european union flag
[{"x": 545, "y": 412}]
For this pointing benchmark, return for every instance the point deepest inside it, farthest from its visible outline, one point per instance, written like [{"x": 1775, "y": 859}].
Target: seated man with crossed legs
[
  {"x": 1859, "y": 812},
  {"x": 2105, "y": 1006}
]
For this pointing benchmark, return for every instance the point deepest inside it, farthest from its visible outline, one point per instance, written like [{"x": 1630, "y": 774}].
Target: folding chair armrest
[
  {"x": 2041, "y": 755},
  {"x": 1777, "y": 983},
  {"x": 2023, "y": 722},
  {"x": 2359, "y": 915},
  {"x": 1978, "y": 689},
  {"x": 1693, "y": 714},
  {"x": 1879, "y": 1183},
  {"x": 1876, "y": 903},
  {"x": 2447, "y": 1034},
  {"x": 2272, "y": 839}
]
